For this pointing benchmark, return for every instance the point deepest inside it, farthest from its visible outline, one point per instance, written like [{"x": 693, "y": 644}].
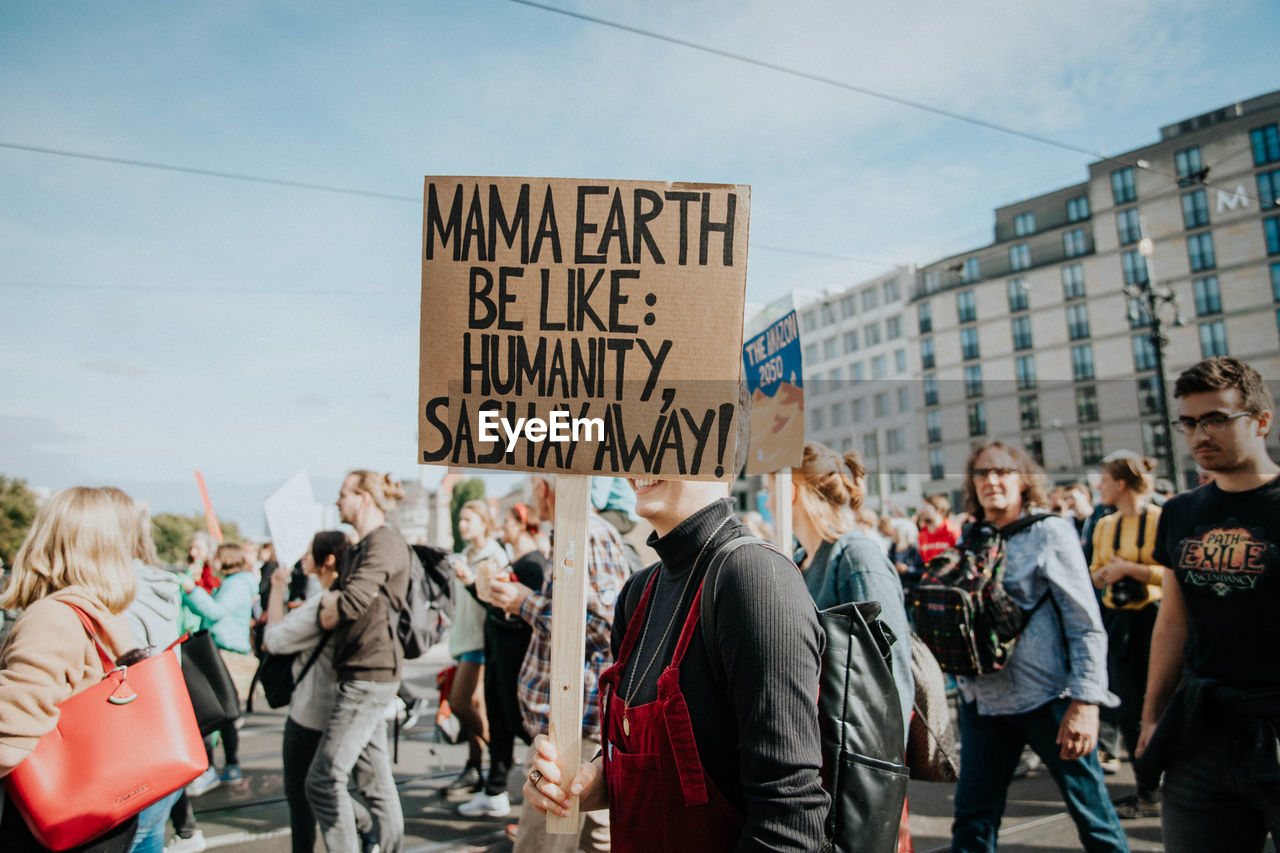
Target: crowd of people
[{"x": 1145, "y": 618}]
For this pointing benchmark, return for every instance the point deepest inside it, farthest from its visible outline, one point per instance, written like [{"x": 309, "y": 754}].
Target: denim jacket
[{"x": 1062, "y": 652}]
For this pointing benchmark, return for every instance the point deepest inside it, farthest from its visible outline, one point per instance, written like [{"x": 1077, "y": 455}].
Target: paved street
[{"x": 253, "y": 817}]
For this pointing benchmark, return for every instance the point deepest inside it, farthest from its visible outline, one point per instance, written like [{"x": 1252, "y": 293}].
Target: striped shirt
[{"x": 608, "y": 571}]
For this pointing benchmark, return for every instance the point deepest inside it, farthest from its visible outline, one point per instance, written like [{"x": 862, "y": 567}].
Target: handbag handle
[{"x": 107, "y": 663}]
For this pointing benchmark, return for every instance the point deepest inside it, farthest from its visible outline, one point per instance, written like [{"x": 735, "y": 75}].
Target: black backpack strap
[
  {"x": 315, "y": 654},
  {"x": 710, "y": 585},
  {"x": 1015, "y": 527}
]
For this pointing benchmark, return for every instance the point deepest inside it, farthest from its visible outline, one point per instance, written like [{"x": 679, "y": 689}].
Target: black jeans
[
  {"x": 1128, "y": 650},
  {"x": 300, "y": 745},
  {"x": 504, "y": 648},
  {"x": 1210, "y": 803}
]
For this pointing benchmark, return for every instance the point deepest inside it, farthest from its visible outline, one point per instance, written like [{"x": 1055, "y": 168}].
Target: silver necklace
[{"x": 644, "y": 631}]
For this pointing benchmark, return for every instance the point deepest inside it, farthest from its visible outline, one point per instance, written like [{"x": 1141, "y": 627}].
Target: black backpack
[
  {"x": 859, "y": 718},
  {"x": 960, "y": 607},
  {"x": 428, "y": 603}
]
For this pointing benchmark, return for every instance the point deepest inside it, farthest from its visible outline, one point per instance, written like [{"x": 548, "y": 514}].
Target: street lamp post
[{"x": 1152, "y": 300}]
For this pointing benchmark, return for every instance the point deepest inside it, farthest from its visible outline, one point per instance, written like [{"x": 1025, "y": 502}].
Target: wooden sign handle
[
  {"x": 569, "y": 632},
  {"x": 782, "y": 510}
]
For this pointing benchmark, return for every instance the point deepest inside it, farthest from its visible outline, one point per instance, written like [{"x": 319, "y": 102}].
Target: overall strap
[{"x": 635, "y": 622}]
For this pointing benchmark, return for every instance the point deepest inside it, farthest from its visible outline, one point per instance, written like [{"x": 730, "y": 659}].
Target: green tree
[
  {"x": 172, "y": 533},
  {"x": 17, "y": 511},
  {"x": 467, "y": 490}
]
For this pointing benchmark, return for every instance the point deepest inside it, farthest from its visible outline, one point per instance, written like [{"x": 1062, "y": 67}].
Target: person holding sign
[
  {"x": 608, "y": 569},
  {"x": 738, "y": 761}
]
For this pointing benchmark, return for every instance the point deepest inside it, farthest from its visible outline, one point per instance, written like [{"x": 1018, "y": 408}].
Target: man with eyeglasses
[{"x": 1219, "y": 624}]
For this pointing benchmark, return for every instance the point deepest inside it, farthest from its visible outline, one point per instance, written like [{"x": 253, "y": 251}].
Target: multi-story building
[{"x": 1038, "y": 339}]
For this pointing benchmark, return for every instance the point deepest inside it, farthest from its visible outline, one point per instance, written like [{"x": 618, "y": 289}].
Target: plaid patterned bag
[{"x": 961, "y": 609}]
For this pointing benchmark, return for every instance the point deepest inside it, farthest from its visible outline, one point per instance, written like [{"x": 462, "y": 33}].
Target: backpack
[
  {"x": 428, "y": 605},
  {"x": 275, "y": 674},
  {"x": 960, "y": 606},
  {"x": 859, "y": 718}
]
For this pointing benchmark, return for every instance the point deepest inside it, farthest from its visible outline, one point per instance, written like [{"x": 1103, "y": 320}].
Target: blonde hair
[
  {"x": 829, "y": 488},
  {"x": 1133, "y": 470},
  {"x": 135, "y": 526},
  {"x": 480, "y": 508},
  {"x": 75, "y": 540},
  {"x": 384, "y": 490}
]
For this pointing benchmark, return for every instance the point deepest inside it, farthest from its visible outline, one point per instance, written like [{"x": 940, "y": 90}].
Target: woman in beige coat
[{"x": 75, "y": 554}]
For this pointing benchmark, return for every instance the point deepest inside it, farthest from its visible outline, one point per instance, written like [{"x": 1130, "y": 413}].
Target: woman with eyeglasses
[
  {"x": 1047, "y": 694},
  {"x": 1126, "y": 571}
]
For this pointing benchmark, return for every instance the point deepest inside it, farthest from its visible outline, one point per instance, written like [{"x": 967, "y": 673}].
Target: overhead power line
[
  {"x": 307, "y": 185},
  {"x": 212, "y": 173},
  {"x": 841, "y": 84}
]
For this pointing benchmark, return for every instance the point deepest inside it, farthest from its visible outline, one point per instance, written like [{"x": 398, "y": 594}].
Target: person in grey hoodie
[{"x": 153, "y": 620}]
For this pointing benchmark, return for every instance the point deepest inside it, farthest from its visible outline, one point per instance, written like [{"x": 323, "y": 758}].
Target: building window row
[
  {"x": 1265, "y": 142},
  {"x": 1074, "y": 243},
  {"x": 1195, "y": 210},
  {"x": 1024, "y": 224},
  {"x": 1029, "y": 412},
  {"x": 1025, "y": 369},
  {"x": 1078, "y": 321},
  {"x": 1078, "y": 208},
  {"x": 1144, "y": 353},
  {"x": 1268, "y": 189},
  {"x": 1200, "y": 252},
  {"x": 1128, "y": 226},
  {"x": 1213, "y": 339},
  {"x": 1018, "y": 294},
  {"x": 1208, "y": 297},
  {"x": 1123, "y": 189},
  {"x": 1072, "y": 282},
  {"x": 973, "y": 380},
  {"x": 1019, "y": 257},
  {"x": 1021, "y": 332},
  {"x": 1189, "y": 164},
  {"x": 1082, "y": 362}
]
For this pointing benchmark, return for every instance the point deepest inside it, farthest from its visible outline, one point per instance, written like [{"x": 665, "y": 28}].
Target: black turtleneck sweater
[{"x": 754, "y": 710}]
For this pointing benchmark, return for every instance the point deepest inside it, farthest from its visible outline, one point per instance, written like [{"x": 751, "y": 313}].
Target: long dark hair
[{"x": 329, "y": 543}]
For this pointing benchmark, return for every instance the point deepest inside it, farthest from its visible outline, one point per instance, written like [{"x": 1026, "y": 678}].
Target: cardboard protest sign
[
  {"x": 582, "y": 326},
  {"x": 775, "y": 379}
]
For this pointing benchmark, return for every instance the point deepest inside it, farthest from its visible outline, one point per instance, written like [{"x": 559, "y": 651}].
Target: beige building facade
[{"x": 1036, "y": 339}]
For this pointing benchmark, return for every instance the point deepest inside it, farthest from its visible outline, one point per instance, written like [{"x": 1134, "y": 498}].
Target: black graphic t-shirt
[{"x": 1224, "y": 548}]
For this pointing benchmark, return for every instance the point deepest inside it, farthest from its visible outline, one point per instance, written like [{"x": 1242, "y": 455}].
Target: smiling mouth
[{"x": 639, "y": 485}]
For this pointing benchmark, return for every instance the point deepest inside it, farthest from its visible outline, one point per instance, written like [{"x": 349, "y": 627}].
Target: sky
[{"x": 155, "y": 322}]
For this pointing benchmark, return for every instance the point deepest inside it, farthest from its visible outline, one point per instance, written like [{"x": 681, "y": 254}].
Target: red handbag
[{"x": 118, "y": 747}]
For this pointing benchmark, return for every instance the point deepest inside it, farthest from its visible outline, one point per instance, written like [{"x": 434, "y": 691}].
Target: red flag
[{"x": 210, "y": 520}]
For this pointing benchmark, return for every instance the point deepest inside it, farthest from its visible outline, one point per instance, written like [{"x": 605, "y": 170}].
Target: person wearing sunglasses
[{"x": 1213, "y": 686}]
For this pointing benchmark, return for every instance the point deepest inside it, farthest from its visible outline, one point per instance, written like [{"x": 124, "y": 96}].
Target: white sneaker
[
  {"x": 483, "y": 805},
  {"x": 178, "y": 844},
  {"x": 204, "y": 783}
]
